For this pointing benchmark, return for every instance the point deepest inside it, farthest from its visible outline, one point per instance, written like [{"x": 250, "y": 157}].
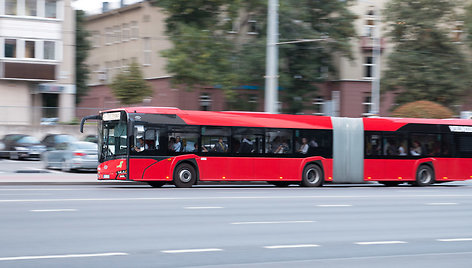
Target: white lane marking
[
  {"x": 380, "y": 242},
  {"x": 195, "y": 250},
  {"x": 202, "y": 207},
  {"x": 334, "y": 205},
  {"x": 62, "y": 256},
  {"x": 269, "y": 222},
  {"x": 218, "y": 198},
  {"x": 441, "y": 204},
  {"x": 54, "y": 210},
  {"x": 292, "y": 246},
  {"x": 454, "y": 239}
]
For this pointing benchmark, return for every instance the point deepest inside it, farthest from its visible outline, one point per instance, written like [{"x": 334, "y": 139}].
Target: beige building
[{"x": 37, "y": 69}]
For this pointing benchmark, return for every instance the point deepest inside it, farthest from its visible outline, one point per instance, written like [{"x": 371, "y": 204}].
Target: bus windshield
[{"x": 113, "y": 139}]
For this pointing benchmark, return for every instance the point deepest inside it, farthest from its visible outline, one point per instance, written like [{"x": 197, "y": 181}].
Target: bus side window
[
  {"x": 313, "y": 143},
  {"x": 278, "y": 141},
  {"x": 216, "y": 140},
  {"x": 373, "y": 145}
]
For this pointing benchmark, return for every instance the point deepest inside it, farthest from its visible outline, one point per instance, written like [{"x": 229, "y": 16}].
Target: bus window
[
  {"x": 395, "y": 144},
  {"x": 278, "y": 141},
  {"x": 373, "y": 145},
  {"x": 247, "y": 140},
  {"x": 425, "y": 144},
  {"x": 313, "y": 142},
  {"x": 215, "y": 139},
  {"x": 183, "y": 139},
  {"x": 463, "y": 145},
  {"x": 146, "y": 139}
]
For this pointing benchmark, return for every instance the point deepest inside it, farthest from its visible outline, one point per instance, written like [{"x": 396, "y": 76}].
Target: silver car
[{"x": 72, "y": 156}]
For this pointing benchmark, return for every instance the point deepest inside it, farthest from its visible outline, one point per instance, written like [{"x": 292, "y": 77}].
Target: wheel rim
[
  {"x": 424, "y": 176},
  {"x": 312, "y": 175},
  {"x": 185, "y": 175}
]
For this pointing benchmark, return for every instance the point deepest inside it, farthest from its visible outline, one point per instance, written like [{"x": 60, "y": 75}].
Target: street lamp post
[
  {"x": 271, "y": 78},
  {"x": 376, "y": 58}
]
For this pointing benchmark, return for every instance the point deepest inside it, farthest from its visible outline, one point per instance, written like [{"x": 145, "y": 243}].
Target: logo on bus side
[{"x": 460, "y": 129}]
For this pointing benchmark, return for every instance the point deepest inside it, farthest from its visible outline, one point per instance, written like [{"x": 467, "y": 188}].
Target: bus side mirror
[{"x": 90, "y": 117}]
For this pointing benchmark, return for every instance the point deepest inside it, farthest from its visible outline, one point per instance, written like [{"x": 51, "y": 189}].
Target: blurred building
[{"x": 37, "y": 69}]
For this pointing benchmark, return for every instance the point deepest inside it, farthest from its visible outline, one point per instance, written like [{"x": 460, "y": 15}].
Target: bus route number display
[{"x": 112, "y": 116}]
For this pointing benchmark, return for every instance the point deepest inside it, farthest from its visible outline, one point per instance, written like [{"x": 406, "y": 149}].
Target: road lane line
[
  {"x": 269, "y": 222},
  {"x": 380, "y": 242},
  {"x": 202, "y": 207},
  {"x": 454, "y": 239},
  {"x": 334, "y": 205},
  {"x": 441, "y": 204},
  {"x": 63, "y": 256},
  {"x": 196, "y": 250},
  {"x": 292, "y": 246},
  {"x": 54, "y": 210}
]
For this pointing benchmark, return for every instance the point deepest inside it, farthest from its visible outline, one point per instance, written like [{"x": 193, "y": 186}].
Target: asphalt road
[{"x": 235, "y": 226}]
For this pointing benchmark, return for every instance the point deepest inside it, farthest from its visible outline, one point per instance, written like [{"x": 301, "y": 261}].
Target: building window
[
  {"x": 10, "y": 48},
  {"x": 231, "y": 25},
  {"x": 108, "y": 36},
  {"x": 369, "y": 23},
  {"x": 49, "y": 50},
  {"x": 134, "y": 30},
  {"x": 125, "y": 32},
  {"x": 318, "y": 104},
  {"x": 205, "y": 102},
  {"x": 30, "y": 49},
  {"x": 147, "y": 51},
  {"x": 95, "y": 40},
  {"x": 30, "y": 8},
  {"x": 367, "y": 104},
  {"x": 368, "y": 68},
  {"x": 51, "y": 9},
  {"x": 117, "y": 34},
  {"x": 11, "y": 7},
  {"x": 458, "y": 31},
  {"x": 252, "y": 27}
]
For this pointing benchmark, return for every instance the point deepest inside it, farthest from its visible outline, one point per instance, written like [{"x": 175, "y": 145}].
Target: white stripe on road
[
  {"x": 334, "y": 205},
  {"x": 62, "y": 256},
  {"x": 454, "y": 239},
  {"x": 269, "y": 222},
  {"x": 192, "y": 250},
  {"x": 441, "y": 204},
  {"x": 202, "y": 207},
  {"x": 380, "y": 242},
  {"x": 292, "y": 246},
  {"x": 54, "y": 210}
]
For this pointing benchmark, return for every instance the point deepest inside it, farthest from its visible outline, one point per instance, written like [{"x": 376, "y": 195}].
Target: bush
[{"x": 423, "y": 109}]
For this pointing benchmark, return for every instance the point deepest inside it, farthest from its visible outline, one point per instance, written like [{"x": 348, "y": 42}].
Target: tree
[
  {"x": 129, "y": 87},
  {"x": 423, "y": 109},
  {"x": 82, "y": 47},
  {"x": 425, "y": 64},
  {"x": 204, "y": 53}
]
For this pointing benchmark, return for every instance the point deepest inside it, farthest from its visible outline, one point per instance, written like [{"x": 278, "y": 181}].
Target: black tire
[
  {"x": 156, "y": 184},
  {"x": 424, "y": 176},
  {"x": 312, "y": 176},
  {"x": 281, "y": 183},
  {"x": 185, "y": 176},
  {"x": 390, "y": 183}
]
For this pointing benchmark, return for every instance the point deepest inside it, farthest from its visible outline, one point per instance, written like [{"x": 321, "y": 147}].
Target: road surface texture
[{"x": 235, "y": 226}]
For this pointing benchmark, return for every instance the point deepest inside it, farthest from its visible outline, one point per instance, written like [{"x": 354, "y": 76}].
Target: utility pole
[
  {"x": 271, "y": 78},
  {"x": 376, "y": 57}
]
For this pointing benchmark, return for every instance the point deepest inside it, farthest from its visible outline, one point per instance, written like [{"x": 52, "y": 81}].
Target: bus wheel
[
  {"x": 185, "y": 176},
  {"x": 424, "y": 176},
  {"x": 281, "y": 183},
  {"x": 312, "y": 176},
  {"x": 156, "y": 184}
]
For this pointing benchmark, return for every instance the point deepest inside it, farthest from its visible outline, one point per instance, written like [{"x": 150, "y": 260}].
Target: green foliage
[
  {"x": 129, "y": 87},
  {"x": 425, "y": 64},
  {"x": 81, "y": 53},
  {"x": 423, "y": 109},
  {"x": 204, "y": 54}
]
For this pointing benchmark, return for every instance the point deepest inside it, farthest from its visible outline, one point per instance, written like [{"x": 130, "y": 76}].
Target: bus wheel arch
[
  {"x": 425, "y": 174},
  {"x": 313, "y": 174},
  {"x": 185, "y": 174}
]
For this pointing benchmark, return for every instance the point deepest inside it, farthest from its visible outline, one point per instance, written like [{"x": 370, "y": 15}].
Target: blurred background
[{"x": 61, "y": 60}]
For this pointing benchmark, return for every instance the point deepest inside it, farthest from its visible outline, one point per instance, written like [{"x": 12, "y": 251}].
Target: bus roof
[{"x": 255, "y": 119}]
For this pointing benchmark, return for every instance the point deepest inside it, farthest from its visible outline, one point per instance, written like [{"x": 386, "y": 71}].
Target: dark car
[
  {"x": 17, "y": 146},
  {"x": 51, "y": 141}
]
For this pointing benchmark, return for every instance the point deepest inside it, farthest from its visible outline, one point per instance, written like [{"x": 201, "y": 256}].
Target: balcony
[
  {"x": 27, "y": 71},
  {"x": 367, "y": 43}
]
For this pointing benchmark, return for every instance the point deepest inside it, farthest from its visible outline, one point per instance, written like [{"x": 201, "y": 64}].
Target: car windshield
[
  {"x": 28, "y": 139},
  {"x": 113, "y": 139}
]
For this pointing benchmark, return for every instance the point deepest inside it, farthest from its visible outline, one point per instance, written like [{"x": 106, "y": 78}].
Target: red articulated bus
[{"x": 172, "y": 146}]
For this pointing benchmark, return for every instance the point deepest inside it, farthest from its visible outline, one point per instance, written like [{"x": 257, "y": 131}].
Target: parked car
[
  {"x": 91, "y": 138},
  {"x": 17, "y": 146},
  {"x": 52, "y": 140},
  {"x": 69, "y": 156}
]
